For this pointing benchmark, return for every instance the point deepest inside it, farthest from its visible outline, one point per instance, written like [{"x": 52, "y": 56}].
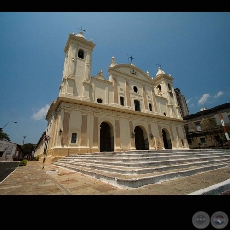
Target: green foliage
[
  {"x": 27, "y": 149},
  {"x": 23, "y": 162},
  {"x": 209, "y": 125},
  {"x": 4, "y": 136},
  {"x": 35, "y": 158}
]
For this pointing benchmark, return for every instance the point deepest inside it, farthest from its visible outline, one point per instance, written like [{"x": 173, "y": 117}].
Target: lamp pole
[
  {"x": 7, "y": 124},
  {"x": 23, "y": 140}
]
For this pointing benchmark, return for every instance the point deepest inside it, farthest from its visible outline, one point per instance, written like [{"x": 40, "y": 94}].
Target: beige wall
[
  {"x": 86, "y": 120},
  {"x": 77, "y": 111}
]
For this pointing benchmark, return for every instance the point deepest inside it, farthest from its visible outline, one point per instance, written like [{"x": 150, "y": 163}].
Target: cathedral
[{"x": 129, "y": 111}]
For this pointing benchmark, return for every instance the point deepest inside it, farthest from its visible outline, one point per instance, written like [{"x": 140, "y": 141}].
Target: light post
[
  {"x": 23, "y": 140},
  {"x": 1, "y": 129},
  {"x": 6, "y": 154}
]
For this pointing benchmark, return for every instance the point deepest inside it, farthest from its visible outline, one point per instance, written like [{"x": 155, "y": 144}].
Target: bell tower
[
  {"x": 77, "y": 65},
  {"x": 164, "y": 89}
]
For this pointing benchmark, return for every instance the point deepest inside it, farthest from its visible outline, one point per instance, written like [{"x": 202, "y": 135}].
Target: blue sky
[{"x": 191, "y": 46}]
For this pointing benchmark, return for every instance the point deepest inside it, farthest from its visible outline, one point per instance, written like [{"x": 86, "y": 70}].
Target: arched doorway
[
  {"x": 141, "y": 142},
  {"x": 106, "y": 139},
  {"x": 166, "y": 139}
]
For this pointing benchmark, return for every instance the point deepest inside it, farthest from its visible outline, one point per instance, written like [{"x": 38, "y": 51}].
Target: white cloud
[
  {"x": 204, "y": 98},
  {"x": 219, "y": 94},
  {"x": 41, "y": 113},
  {"x": 188, "y": 100}
]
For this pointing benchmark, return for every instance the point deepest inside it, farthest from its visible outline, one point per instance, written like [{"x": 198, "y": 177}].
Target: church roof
[{"x": 80, "y": 34}]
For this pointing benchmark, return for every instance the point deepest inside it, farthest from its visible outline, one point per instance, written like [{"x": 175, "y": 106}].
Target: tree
[
  {"x": 211, "y": 129},
  {"x": 27, "y": 149},
  {"x": 4, "y": 136}
]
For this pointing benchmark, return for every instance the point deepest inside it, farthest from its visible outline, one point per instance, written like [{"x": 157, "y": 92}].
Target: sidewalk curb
[{"x": 215, "y": 189}]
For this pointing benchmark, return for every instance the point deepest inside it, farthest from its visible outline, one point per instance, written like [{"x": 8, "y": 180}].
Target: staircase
[{"x": 142, "y": 167}]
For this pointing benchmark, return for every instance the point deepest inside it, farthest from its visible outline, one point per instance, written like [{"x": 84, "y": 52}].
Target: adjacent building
[
  {"x": 204, "y": 128},
  {"x": 10, "y": 151},
  {"x": 183, "y": 108},
  {"x": 131, "y": 110}
]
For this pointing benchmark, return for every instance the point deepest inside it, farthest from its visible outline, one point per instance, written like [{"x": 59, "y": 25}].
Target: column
[
  {"x": 132, "y": 140},
  {"x": 95, "y": 132},
  {"x": 115, "y": 90},
  {"x": 127, "y": 94},
  {"x": 145, "y": 99},
  {"x": 117, "y": 127},
  {"x": 178, "y": 137},
  {"x": 65, "y": 128},
  {"x": 84, "y": 130},
  {"x": 154, "y": 100},
  {"x": 173, "y": 140},
  {"x": 151, "y": 140}
]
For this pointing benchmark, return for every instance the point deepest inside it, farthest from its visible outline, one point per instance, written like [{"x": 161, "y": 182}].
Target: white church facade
[{"x": 129, "y": 111}]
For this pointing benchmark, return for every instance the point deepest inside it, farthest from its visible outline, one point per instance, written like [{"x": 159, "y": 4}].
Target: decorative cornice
[
  {"x": 160, "y": 76},
  {"x": 88, "y": 82},
  {"x": 115, "y": 69},
  {"x": 71, "y": 77},
  {"x": 102, "y": 80},
  {"x": 157, "y": 95},
  {"x": 99, "y": 108},
  {"x": 72, "y": 37}
]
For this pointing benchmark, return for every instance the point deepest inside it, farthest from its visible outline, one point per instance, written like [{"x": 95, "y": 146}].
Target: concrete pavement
[{"x": 33, "y": 180}]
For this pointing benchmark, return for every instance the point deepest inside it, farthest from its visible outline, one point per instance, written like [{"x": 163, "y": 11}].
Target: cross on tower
[
  {"x": 159, "y": 65},
  {"x": 130, "y": 58},
  {"x": 81, "y": 29}
]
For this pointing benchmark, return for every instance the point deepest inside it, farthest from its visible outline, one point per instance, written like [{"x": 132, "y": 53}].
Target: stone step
[
  {"x": 147, "y": 153},
  {"x": 136, "y": 169},
  {"x": 144, "y": 154},
  {"x": 143, "y": 164},
  {"x": 135, "y": 181},
  {"x": 140, "y": 169},
  {"x": 143, "y": 161}
]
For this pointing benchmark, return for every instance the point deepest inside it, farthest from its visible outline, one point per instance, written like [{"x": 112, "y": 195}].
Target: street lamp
[
  {"x": 23, "y": 140},
  {"x": 7, "y": 124}
]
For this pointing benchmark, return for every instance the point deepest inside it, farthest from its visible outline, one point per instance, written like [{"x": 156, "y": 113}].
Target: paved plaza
[{"x": 52, "y": 180}]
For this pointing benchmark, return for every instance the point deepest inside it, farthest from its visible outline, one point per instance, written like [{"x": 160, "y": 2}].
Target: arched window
[
  {"x": 170, "y": 90},
  {"x": 169, "y": 86},
  {"x": 159, "y": 87},
  {"x": 150, "y": 107},
  {"x": 135, "y": 89},
  {"x": 81, "y": 54}
]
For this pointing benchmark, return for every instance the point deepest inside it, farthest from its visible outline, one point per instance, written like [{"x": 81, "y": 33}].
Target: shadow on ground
[{"x": 6, "y": 168}]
